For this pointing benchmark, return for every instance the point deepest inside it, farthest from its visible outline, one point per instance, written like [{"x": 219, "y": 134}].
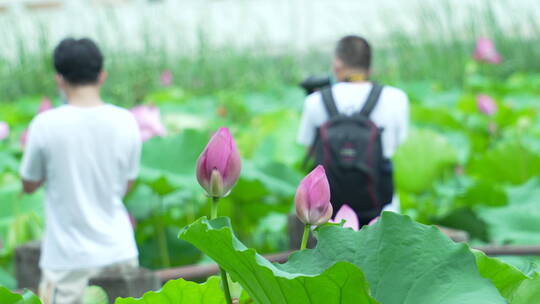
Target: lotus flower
[
  {"x": 218, "y": 167},
  {"x": 45, "y": 105},
  {"x": 347, "y": 213},
  {"x": 4, "y": 130},
  {"x": 149, "y": 120},
  {"x": 374, "y": 221},
  {"x": 486, "y": 104},
  {"x": 312, "y": 200},
  {"x": 166, "y": 78},
  {"x": 485, "y": 51}
]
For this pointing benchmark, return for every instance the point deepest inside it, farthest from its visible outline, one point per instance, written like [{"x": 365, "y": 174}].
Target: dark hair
[
  {"x": 78, "y": 61},
  {"x": 354, "y": 52}
]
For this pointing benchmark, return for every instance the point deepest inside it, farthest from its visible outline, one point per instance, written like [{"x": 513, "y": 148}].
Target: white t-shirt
[
  {"x": 86, "y": 157},
  {"x": 391, "y": 113}
]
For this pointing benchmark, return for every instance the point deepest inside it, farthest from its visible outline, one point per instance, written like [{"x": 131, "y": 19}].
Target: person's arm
[
  {"x": 130, "y": 185},
  {"x": 30, "y": 187},
  {"x": 32, "y": 169},
  {"x": 308, "y": 127}
]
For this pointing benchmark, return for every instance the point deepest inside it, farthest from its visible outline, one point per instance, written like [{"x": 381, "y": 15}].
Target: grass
[{"x": 438, "y": 51}]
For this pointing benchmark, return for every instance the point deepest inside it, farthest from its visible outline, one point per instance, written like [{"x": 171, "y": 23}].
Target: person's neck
[
  {"x": 84, "y": 96},
  {"x": 355, "y": 77}
]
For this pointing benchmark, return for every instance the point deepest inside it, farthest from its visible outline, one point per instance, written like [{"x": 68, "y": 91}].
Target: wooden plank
[
  {"x": 201, "y": 272},
  {"x": 493, "y": 250},
  {"x": 43, "y": 5}
]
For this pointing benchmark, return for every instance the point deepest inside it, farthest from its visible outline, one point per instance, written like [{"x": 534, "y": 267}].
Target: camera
[{"x": 315, "y": 83}]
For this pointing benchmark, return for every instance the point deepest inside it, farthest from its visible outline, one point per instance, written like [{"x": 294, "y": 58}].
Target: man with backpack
[
  {"x": 353, "y": 128},
  {"x": 86, "y": 154}
]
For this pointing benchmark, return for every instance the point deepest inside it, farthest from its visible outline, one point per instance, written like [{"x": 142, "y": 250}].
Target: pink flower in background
[
  {"x": 4, "y": 130},
  {"x": 312, "y": 199},
  {"x": 166, "y": 78},
  {"x": 218, "y": 167},
  {"x": 486, "y": 104},
  {"x": 486, "y": 51},
  {"x": 149, "y": 120},
  {"x": 45, "y": 105},
  {"x": 374, "y": 221},
  {"x": 347, "y": 213}
]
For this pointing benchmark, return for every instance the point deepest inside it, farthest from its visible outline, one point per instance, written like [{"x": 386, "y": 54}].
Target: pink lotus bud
[
  {"x": 485, "y": 51},
  {"x": 486, "y": 104},
  {"x": 347, "y": 213},
  {"x": 4, "y": 130},
  {"x": 45, "y": 105},
  {"x": 149, "y": 120},
  {"x": 166, "y": 78},
  {"x": 374, "y": 221},
  {"x": 218, "y": 167},
  {"x": 312, "y": 200},
  {"x": 23, "y": 138}
]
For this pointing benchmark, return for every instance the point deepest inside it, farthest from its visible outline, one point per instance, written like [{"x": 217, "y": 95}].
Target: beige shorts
[{"x": 67, "y": 286}]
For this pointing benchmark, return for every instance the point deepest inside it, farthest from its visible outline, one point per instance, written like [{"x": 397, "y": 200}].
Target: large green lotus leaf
[
  {"x": 267, "y": 283},
  {"x": 7, "y": 297},
  {"x": 509, "y": 162},
  {"x": 181, "y": 292},
  {"x": 422, "y": 159},
  {"x": 516, "y": 223},
  {"x": 514, "y": 285},
  {"x": 405, "y": 262}
]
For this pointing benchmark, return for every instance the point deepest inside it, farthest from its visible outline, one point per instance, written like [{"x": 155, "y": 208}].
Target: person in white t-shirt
[
  {"x": 86, "y": 154},
  {"x": 352, "y": 67}
]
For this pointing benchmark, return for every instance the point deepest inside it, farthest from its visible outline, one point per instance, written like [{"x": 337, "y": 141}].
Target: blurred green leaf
[
  {"x": 516, "y": 223},
  {"x": 508, "y": 162},
  {"x": 7, "y": 297},
  {"x": 422, "y": 159}
]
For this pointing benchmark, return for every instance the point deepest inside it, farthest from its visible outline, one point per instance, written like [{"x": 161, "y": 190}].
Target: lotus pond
[{"x": 471, "y": 162}]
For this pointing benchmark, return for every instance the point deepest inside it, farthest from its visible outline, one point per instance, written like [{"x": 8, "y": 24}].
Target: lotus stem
[
  {"x": 162, "y": 237},
  {"x": 224, "y": 278},
  {"x": 305, "y": 237}
]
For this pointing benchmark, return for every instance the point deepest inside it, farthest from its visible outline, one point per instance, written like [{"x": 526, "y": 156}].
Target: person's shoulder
[
  {"x": 313, "y": 100},
  {"x": 395, "y": 93},
  {"x": 48, "y": 117},
  {"x": 119, "y": 112}
]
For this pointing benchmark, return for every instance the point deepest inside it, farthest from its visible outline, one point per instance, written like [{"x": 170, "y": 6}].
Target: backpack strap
[
  {"x": 372, "y": 99},
  {"x": 328, "y": 101}
]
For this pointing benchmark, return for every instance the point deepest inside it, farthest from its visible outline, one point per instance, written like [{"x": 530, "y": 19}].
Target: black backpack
[{"x": 350, "y": 149}]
